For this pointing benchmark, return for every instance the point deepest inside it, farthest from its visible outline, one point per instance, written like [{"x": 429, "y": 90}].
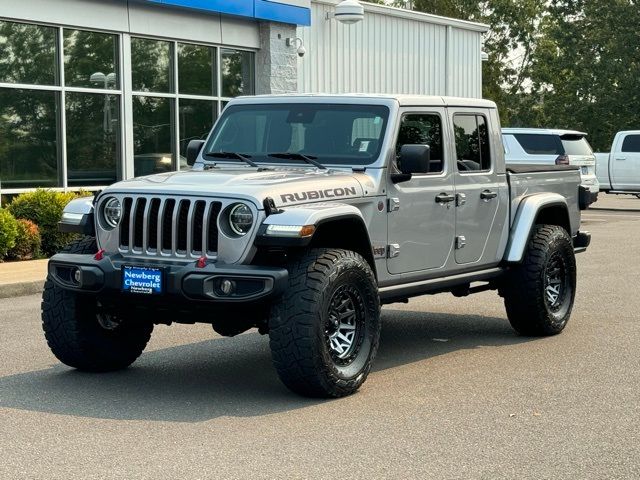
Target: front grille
[{"x": 169, "y": 227}]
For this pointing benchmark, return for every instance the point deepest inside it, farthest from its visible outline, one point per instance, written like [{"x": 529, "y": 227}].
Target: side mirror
[
  {"x": 193, "y": 150},
  {"x": 413, "y": 159}
]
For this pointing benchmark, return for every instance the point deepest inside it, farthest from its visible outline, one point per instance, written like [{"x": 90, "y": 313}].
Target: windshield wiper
[
  {"x": 239, "y": 156},
  {"x": 297, "y": 156}
]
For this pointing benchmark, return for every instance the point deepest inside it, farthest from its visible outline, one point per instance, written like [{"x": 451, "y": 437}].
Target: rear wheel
[
  {"x": 539, "y": 293},
  {"x": 324, "y": 333},
  {"x": 80, "y": 334}
]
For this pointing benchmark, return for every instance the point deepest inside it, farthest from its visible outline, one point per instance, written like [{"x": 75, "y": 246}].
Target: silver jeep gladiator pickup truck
[{"x": 300, "y": 217}]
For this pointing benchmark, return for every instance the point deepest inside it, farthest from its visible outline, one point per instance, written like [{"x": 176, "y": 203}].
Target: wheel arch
[
  {"x": 336, "y": 226},
  {"x": 347, "y": 232},
  {"x": 539, "y": 209}
]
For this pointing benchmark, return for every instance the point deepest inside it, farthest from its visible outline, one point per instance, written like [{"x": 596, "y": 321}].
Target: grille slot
[
  {"x": 169, "y": 227},
  {"x": 138, "y": 223},
  {"x": 183, "y": 225}
]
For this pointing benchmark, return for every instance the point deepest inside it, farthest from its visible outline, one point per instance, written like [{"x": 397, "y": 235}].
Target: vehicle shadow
[{"x": 230, "y": 376}]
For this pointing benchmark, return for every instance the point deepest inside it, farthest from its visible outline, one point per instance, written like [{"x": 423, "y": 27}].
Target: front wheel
[
  {"x": 83, "y": 336},
  {"x": 539, "y": 293},
  {"x": 324, "y": 332}
]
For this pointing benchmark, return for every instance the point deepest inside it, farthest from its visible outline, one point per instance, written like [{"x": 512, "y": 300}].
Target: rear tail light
[{"x": 562, "y": 160}]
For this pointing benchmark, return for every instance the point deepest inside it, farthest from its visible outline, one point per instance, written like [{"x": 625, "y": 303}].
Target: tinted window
[
  {"x": 472, "y": 143},
  {"x": 535, "y": 144},
  {"x": 196, "y": 120},
  {"x": 197, "y": 73},
  {"x": 29, "y": 139},
  {"x": 237, "y": 73},
  {"x": 576, "y": 146},
  {"x": 151, "y": 65},
  {"x": 631, "y": 144},
  {"x": 423, "y": 129},
  {"x": 152, "y": 135},
  {"x": 90, "y": 59},
  {"x": 93, "y": 151},
  {"x": 329, "y": 133},
  {"x": 27, "y": 54}
]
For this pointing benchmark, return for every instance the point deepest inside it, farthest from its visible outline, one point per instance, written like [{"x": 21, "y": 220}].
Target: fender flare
[
  {"x": 78, "y": 216},
  {"x": 524, "y": 221},
  {"x": 315, "y": 214}
]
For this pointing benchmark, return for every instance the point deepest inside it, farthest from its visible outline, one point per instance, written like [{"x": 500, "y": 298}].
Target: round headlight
[
  {"x": 112, "y": 212},
  {"x": 240, "y": 219}
]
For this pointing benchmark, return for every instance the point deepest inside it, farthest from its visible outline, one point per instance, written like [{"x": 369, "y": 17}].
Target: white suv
[{"x": 552, "y": 147}]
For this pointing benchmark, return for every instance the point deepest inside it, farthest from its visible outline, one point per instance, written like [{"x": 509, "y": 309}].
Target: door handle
[
  {"x": 445, "y": 198},
  {"x": 488, "y": 195},
  {"x": 621, "y": 158}
]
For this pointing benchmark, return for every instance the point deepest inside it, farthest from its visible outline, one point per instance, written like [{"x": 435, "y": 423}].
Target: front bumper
[{"x": 85, "y": 273}]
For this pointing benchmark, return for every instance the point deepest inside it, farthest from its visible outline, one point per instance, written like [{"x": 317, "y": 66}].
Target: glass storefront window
[
  {"x": 93, "y": 139},
  {"x": 91, "y": 60},
  {"x": 237, "y": 73},
  {"x": 152, "y": 135},
  {"x": 196, "y": 120},
  {"x": 28, "y": 54},
  {"x": 151, "y": 65},
  {"x": 197, "y": 69},
  {"x": 29, "y": 139},
  {"x": 177, "y": 91}
]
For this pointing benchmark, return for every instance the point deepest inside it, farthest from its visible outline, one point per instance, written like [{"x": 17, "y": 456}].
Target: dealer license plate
[{"x": 144, "y": 280}]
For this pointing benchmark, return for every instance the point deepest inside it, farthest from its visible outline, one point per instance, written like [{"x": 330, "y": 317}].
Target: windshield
[
  {"x": 577, "y": 146},
  {"x": 335, "y": 134}
]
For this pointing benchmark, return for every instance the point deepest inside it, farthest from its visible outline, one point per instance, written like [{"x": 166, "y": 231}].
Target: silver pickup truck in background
[
  {"x": 301, "y": 216},
  {"x": 619, "y": 171}
]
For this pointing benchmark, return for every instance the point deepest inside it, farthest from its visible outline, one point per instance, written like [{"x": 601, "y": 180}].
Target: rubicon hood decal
[{"x": 319, "y": 194}]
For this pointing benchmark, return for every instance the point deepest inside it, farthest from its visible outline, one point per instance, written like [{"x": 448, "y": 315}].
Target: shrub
[
  {"x": 44, "y": 208},
  {"x": 27, "y": 242},
  {"x": 8, "y": 232}
]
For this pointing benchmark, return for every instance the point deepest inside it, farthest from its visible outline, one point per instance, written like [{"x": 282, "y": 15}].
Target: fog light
[
  {"x": 227, "y": 286},
  {"x": 77, "y": 276}
]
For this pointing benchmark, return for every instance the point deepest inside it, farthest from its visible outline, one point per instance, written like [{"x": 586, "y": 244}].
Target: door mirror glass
[
  {"x": 193, "y": 150},
  {"x": 414, "y": 159}
]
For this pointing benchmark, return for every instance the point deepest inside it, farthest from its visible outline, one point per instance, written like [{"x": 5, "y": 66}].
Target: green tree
[{"x": 586, "y": 69}]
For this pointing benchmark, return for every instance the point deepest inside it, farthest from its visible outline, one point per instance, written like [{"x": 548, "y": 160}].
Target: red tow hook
[
  {"x": 100, "y": 255},
  {"x": 202, "y": 262}
]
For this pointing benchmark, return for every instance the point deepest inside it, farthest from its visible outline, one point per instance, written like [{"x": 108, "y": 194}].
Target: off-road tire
[
  {"x": 298, "y": 323},
  {"x": 75, "y": 336},
  {"x": 529, "y": 309}
]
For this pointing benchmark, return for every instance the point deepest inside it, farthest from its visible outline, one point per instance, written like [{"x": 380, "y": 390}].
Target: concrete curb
[{"x": 10, "y": 290}]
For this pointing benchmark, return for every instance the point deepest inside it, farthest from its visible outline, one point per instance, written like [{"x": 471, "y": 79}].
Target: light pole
[{"x": 106, "y": 80}]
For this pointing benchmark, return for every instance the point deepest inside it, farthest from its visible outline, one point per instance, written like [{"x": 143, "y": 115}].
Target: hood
[{"x": 287, "y": 186}]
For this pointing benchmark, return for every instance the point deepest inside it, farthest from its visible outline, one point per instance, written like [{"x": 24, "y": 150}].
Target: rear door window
[
  {"x": 535, "y": 144},
  {"x": 472, "y": 143},
  {"x": 577, "y": 146},
  {"x": 631, "y": 144}
]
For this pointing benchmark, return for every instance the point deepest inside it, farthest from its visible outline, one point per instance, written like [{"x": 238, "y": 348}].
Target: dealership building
[{"x": 94, "y": 91}]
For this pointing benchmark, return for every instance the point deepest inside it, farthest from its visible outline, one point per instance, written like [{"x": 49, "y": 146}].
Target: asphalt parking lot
[{"x": 454, "y": 394}]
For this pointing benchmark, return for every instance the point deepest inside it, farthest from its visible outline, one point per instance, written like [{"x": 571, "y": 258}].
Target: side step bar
[{"x": 395, "y": 293}]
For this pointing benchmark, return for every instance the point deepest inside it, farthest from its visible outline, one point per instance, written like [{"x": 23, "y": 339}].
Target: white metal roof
[
  {"x": 402, "y": 100},
  {"x": 544, "y": 131}
]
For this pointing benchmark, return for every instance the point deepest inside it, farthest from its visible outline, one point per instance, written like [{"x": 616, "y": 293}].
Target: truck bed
[{"x": 565, "y": 180}]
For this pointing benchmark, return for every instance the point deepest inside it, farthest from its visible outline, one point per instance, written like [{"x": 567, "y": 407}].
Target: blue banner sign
[{"x": 297, "y": 12}]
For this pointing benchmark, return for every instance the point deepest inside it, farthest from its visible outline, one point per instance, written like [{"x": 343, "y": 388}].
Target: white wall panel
[
  {"x": 391, "y": 51},
  {"x": 466, "y": 64}
]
